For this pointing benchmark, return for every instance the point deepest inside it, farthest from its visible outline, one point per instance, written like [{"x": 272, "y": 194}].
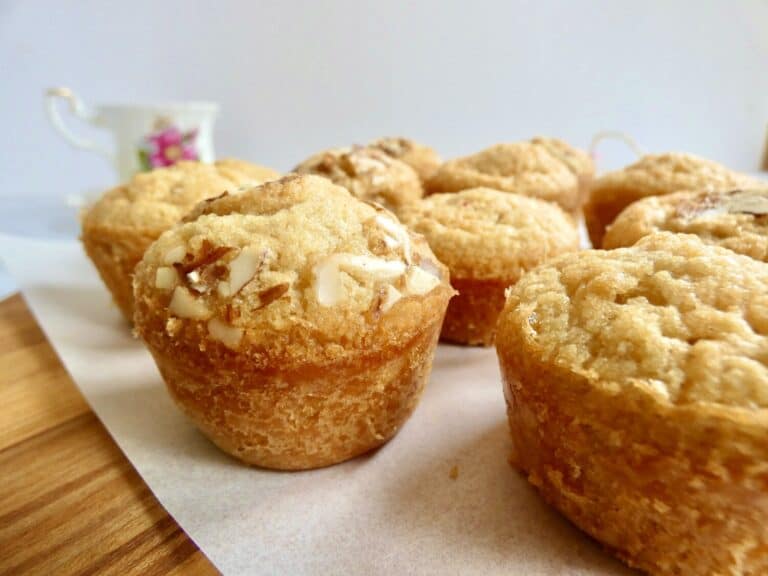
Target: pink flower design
[{"x": 168, "y": 146}]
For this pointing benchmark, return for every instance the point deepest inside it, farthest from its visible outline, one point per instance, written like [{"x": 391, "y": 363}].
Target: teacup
[{"x": 146, "y": 136}]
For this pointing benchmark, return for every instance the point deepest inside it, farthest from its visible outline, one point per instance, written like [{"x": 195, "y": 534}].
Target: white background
[{"x": 293, "y": 77}]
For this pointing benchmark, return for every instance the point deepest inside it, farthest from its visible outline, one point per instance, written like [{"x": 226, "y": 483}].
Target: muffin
[
  {"x": 542, "y": 168},
  {"x": 423, "y": 159},
  {"x": 122, "y": 224},
  {"x": 293, "y": 324},
  {"x": 653, "y": 175},
  {"x": 636, "y": 383},
  {"x": 736, "y": 219},
  {"x": 488, "y": 239},
  {"x": 368, "y": 173}
]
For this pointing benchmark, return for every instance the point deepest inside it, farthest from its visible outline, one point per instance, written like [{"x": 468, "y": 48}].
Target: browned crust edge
[
  {"x": 315, "y": 417},
  {"x": 670, "y": 489},
  {"x": 115, "y": 255}
]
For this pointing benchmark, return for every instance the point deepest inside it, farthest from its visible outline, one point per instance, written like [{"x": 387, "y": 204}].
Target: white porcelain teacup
[{"x": 146, "y": 136}]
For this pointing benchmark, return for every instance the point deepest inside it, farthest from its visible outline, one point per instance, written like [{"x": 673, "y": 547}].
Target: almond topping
[
  {"x": 420, "y": 281},
  {"x": 242, "y": 269},
  {"x": 166, "y": 278},
  {"x": 748, "y": 202},
  {"x": 397, "y": 234},
  {"x": 329, "y": 288},
  {"x": 185, "y": 305},
  {"x": 207, "y": 255},
  {"x": 175, "y": 255},
  {"x": 390, "y": 297},
  {"x": 430, "y": 267},
  {"x": 228, "y": 335},
  {"x": 266, "y": 297}
]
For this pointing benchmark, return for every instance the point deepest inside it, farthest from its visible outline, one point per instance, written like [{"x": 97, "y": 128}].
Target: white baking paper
[{"x": 394, "y": 511}]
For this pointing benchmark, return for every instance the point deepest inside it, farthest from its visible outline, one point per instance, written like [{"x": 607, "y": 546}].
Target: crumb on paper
[{"x": 454, "y": 473}]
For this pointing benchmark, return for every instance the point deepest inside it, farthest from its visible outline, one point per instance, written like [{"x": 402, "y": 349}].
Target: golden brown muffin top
[
  {"x": 537, "y": 168},
  {"x": 671, "y": 317},
  {"x": 368, "y": 173},
  {"x": 487, "y": 234},
  {"x": 151, "y": 202},
  {"x": 295, "y": 269},
  {"x": 576, "y": 159},
  {"x": 736, "y": 219},
  {"x": 659, "y": 174},
  {"x": 423, "y": 159}
]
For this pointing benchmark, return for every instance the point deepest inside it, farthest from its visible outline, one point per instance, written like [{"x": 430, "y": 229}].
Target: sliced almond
[
  {"x": 166, "y": 278},
  {"x": 185, "y": 305},
  {"x": 390, "y": 297},
  {"x": 242, "y": 269},
  {"x": 207, "y": 254},
  {"x": 397, "y": 235},
  {"x": 228, "y": 335},
  {"x": 175, "y": 255},
  {"x": 328, "y": 285},
  {"x": 419, "y": 281},
  {"x": 429, "y": 267},
  {"x": 748, "y": 202},
  {"x": 266, "y": 297}
]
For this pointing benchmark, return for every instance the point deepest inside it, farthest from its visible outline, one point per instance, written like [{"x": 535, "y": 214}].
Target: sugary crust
[
  {"x": 472, "y": 314},
  {"x": 292, "y": 290},
  {"x": 122, "y": 224},
  {"x": 294, "y": 417},
  {"x": 653, "y": 175},
  {"x": 486, "y": 234},
  {"x": 542, "y": 168},
  {"x": 736, "y": 219},
  {"x": 368, "y": 173},
  {"x": 652, "y": 438},
  {"x": 423, "y": 159}
]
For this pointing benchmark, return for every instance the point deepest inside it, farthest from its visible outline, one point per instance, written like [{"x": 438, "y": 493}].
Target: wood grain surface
[{"x": 70, "y": 502}]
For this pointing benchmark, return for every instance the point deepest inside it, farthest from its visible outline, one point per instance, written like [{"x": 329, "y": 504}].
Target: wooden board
[{"x": 70, "y": 502}]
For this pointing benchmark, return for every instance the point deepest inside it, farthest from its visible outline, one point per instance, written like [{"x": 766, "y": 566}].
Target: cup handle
[{"x": 77, "y": 108}]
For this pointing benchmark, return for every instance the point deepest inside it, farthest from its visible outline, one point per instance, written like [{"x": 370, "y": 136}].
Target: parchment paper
[{"x": 394, "y": 511}]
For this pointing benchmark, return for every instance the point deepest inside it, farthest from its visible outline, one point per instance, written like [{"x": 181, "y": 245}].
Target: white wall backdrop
[{"x": 293, "y": 77}]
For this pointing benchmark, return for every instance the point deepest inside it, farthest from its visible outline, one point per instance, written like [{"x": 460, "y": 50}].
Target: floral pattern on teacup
[{"x": 166, "y": 145}]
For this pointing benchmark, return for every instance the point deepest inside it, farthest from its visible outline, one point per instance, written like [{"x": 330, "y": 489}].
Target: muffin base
[
  {"x": 472, "y": 314},
  {"x": 673, "y": 490},
  {"x": 599, "y": 213},
  {"x": 308, "y": 417},
  {"x": 115, "y": 256}
]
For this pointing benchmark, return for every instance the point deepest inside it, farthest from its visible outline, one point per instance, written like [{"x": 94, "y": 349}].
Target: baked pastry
[
  {"x": 293, "y": 324},
  {"x": 736, "y": 219},
  {"x": 121, "y": 225},
  {"x": 488, "y": 239},
  {"x": 542, "y": 168},
  {"x": 636, "y": 383},
  {"x": 368, "y": 173},
  {"x": 653, "y": 175},
  {"x": 423, "y": 159}
]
